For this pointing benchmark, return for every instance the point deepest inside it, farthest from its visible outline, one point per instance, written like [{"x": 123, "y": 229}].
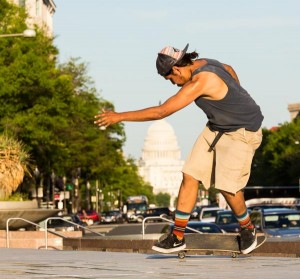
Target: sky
[{"x": 119, "y": 40}]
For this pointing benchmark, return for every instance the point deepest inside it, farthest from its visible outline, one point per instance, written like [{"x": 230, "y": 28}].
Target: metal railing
[
  {"x": 45, "y": 228},
  {"x": 26, "y": 221},
  {"x": 165, "y": 219},
  {"x": 67, "y": 221}
]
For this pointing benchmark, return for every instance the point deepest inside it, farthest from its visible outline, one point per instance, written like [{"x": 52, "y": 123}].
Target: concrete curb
[{"x": 270, "y": 248}]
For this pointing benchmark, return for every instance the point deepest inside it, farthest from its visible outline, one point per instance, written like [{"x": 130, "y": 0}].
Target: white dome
[
  {"x": 160, "y": 142},
  {"x": 160, "y": 163},
  {"x": 161, "y": 128}
]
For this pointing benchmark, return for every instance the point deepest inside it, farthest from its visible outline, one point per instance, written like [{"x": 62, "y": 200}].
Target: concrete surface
[
  {"x": 28, "y": 263},
  {"x": 137, "y": 244},
  {"x": 35, "y": 239}
]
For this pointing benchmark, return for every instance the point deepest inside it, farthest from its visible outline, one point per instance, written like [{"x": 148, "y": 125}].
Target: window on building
[
  {"x": 38, "y": 9},
  {"x": 22, "y": 3}
]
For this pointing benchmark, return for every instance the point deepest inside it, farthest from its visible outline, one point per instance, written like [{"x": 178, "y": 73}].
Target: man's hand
[{"x": 106, "y": 118}]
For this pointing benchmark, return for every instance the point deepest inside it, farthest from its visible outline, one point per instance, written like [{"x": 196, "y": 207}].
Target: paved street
[{"x": 26, "y": 263}]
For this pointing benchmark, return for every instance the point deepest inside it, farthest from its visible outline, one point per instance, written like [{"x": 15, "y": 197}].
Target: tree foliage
[
  {"x": 277, "y": 160},
  {"x": 50, "y": 107},
  {"x": 13, "y": 165},
  {"x": 163, "y": 199}
]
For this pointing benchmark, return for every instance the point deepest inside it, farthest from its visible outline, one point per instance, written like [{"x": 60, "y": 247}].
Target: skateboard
[{"x": 216, "y": 242}]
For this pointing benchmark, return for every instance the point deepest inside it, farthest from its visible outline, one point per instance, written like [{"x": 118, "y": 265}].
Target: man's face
[{"x": 177, "y": 76}]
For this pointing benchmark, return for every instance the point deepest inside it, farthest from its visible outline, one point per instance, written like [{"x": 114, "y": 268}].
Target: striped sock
[
  {"x": 181, "y": 220},
  {"x": 244, "y": 220}
]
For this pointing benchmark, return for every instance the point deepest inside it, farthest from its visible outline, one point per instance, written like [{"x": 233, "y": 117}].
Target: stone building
[
  {"x": 294, "y": 110},
  {"x": 40, "y": 12},
  {"x": 160, "y": 163}
]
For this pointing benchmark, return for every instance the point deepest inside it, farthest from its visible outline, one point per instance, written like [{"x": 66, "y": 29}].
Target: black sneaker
[
  {"x": 248, "y": 240},
  {"x": 169, "y": 244}
]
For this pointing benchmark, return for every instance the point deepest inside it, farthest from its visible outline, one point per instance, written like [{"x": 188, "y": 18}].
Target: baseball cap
[{"x": 167, "y": 58}]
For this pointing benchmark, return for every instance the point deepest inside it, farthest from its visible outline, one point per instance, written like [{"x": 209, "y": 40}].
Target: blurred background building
[
  {"x": 294, "y": 110},
  {"x": 160, "y": 163},
  {"x": 40, "y": 12}
]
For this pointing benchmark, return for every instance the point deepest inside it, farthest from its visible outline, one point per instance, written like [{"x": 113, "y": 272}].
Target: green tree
[
  {"x": 51, "y": 108},
  {"x": 163, "y": 199},
  {"x": 283, "y": 152},
  {"x": 277, "y": 160}
]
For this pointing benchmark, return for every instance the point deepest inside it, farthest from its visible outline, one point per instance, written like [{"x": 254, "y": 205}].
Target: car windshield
[
  {"x": 209, "y": 214},
  {"x": 136, "y": 206},
  {"x": 111, "y": 213},
  {"x": 287, "y": 220},
  {"x": 226, "y": 218}
]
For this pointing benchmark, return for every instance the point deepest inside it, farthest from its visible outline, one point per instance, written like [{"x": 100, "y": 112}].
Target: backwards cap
[{"x": 168, "y": 57}]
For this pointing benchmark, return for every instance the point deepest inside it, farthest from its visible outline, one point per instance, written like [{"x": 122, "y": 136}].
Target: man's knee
[{"x": 188, "y": 179}]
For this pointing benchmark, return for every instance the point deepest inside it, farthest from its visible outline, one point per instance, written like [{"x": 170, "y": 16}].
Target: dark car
[
  {"x": 267, "y": 206},
  {"x": 203, "y": 227},
  {"x": 90, "y": 217},
  {"x": 164, "y": 212},
  {"x": 281, "y": 222},
  {"x": 61, "y": 225},
  {"x": 226, "y": 220},
  {"x": 112, "y": 216}
]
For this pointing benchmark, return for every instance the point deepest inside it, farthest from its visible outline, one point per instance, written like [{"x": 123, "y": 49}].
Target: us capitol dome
[{"x": 160, "y": 163}]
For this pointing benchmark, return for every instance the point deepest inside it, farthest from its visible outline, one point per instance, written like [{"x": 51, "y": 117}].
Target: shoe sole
[
  {"x": 167, "y": 251},
  {"x": 251, "y": 248}
]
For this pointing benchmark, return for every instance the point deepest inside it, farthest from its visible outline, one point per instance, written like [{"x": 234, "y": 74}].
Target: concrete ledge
[
  {"x": 35, "y": 239},
  {"x": 129, "y": 245}
]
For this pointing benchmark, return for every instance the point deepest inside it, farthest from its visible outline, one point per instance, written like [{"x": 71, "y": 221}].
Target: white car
[{"x": 209, "y": 214}]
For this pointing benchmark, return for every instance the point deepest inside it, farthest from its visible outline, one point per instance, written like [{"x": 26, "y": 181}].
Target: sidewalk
[{"x": 27, "y": 263}]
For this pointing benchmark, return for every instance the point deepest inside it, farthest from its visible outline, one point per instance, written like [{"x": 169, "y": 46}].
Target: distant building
[
  {"x": 294, "y": 110},
  {"x": 160, "y": 164},
  {"x": 40, "y": 12}
]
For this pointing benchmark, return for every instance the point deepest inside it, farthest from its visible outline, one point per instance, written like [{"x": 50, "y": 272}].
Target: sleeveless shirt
[{"x": 236, "y": 110}]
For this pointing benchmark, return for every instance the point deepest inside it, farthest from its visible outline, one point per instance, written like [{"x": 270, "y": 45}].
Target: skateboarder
[{"x": 222, "y": 155}]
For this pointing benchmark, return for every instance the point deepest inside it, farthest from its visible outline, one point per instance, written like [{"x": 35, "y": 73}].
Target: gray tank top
[{"x": 236, "y": 110}]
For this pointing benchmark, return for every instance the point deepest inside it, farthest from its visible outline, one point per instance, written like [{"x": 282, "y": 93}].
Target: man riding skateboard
[{"x": 222, "y": 155}]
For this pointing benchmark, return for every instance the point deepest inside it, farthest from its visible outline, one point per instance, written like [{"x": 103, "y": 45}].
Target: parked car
[
  {"x": 197, "y": 211},
  {"x": 266, "y": 206},
  {"x": 112, "y": 216},
  {"x": 226, "y": 220},
  {"x": 164, "y": 212},
  {"x": 90, "y": 217},
  {"x": 281, "y": 222},
  {"x": 61, "y": 225},
  {"x": 208, "y": 214},
  {"x": 204, "y": 227}
]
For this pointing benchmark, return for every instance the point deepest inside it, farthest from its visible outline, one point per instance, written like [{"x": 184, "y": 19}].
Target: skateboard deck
[{"x": 216, "y": 242}]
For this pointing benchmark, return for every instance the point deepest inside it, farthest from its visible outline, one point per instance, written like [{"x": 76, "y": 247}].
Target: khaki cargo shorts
[{"x": 228, "y": 166}]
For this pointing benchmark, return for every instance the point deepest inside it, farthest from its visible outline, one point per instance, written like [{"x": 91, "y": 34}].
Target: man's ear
[{"x": 176, "y": 70}]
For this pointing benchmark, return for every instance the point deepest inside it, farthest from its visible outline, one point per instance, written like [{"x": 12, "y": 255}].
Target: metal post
[
  {"x": 88, "y": 199},
  {"x": 64, "y": 185},
  {"x": 76, "y": 194},
  {"x": 53, "y": 187},
  {"x": 36, "y": 176},
  {"x": 97, "y": 197}
]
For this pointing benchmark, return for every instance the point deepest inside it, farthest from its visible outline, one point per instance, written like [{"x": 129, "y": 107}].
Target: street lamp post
[
  {"x": 28, "y": 33},
  {"x": 65, "y": 205},
  {"x": 53, "y": 188},
  {"x": 36, "y": 176},
  {"x": 88, "y": 199}
]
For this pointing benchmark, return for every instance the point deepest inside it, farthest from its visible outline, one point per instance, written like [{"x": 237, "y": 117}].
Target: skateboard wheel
[
  {"x": 181, "y": 254},
  {"x": 234, "y": 255}
]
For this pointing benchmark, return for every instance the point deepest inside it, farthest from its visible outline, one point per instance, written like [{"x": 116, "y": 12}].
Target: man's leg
[
  {"x": 239, "y": 208},
  {"x": 187, "y": 193},
  {"x": 186, "y": 201},
  {"x": 236, "y": 202}
]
